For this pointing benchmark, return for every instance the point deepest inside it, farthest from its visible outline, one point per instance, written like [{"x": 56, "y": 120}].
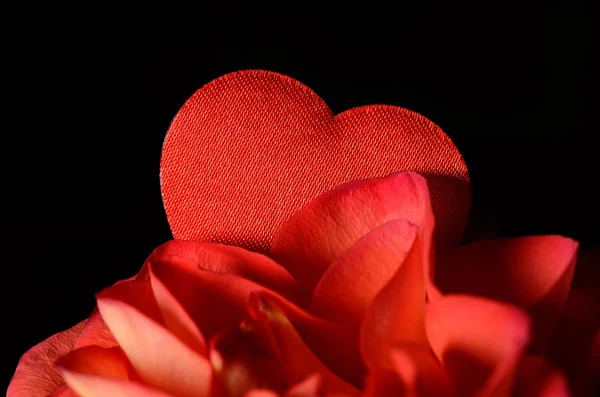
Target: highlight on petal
[
  {"x": 479, "y": 342},
  {"x": 537, "y": 378},
  {"x": 413, "y": 371},
  {"x": 297, "y": 359},
  {"x": 350, "y": 284},
  {"x": 175, "y": 316},
  {"x": 397, "y": 313},
  {"x": 158, "y": 356},
  {"x": 97, "y": 386},
  {"x": 320, "y": 232},
  {"x": 226, "y": 259},
  {"x": 36, "y": 375},
  {"x": 261, "y": 393},
  {"x": 310, "y": 387},
  {"x": 531, "y": 272}
]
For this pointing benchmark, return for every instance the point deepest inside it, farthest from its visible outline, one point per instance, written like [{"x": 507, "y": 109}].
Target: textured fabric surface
[{"x": 249, "y": 149}]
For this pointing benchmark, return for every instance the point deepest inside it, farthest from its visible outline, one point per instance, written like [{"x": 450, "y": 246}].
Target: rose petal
[
  {"x": 419, "y": 368},
  {"x": 36, "y": 375},
  {"x": 587, "y": 271},
  {"x": 332, "y": 343},
  {"x": 297, "y": 359},
  {"x": 261, "y": 393},
  {"x": 537, "y": 378},
  {"x": 352, "y": 281},
  {"x": 175, "y": 316},
  {"x": 64, "y": 391},
  {"x": 226, "y": 259},
  {"x": 326, "y": 227},
  {"x": 397, "y": 313},
  {"x": 94, "y": 360},
  {"x": 158, "y": 356},
  {"x": 479, "y": 342},
  {"x": 576, "y": 330},
  {"x": 215, "y": 301},
  {"x": 135, "y": 293},
  {"x": 309, "y": 387},
  {"x": 532, "y": 272},
  {"x": 588, "y": 380},
  {"x": 96, "y": 333},
  {"x": 97, "y": 386},
  {"x": 414, "y": 371},
  {"x": 242, "y": 364}
]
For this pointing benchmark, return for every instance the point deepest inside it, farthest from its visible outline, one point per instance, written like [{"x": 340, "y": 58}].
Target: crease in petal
[
  {"x": 283, "y": 340},
  {"x": 397, "y": 313},
  {"x": 419, "y": 368},
  {"x": 227, "y": 259},
  {"x": 350, "y": 284},
  {"x": 413, "y": 371},
  {"x": 532, "y": 272},
  {"x": 176, "y": 318},
  {"x": 96, "y": 333},
  {"x": 335, "y": 345},
  {"x": 158, "y": 356},
  {"x": 320, "y": 232},
  {"x": 214, "y": 301},
  {"x": 36, "y": 374},
  {"x": 479, "y": 342},
  {"x": 537, "y": 378}
]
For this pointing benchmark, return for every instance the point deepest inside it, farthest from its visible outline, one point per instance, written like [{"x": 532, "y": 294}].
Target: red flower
[{"x": 352, "y": 299}]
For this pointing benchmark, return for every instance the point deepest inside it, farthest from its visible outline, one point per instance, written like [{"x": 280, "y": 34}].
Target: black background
[{"x": 83, "y": 135}]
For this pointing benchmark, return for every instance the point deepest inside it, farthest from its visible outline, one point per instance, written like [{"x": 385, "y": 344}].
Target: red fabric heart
[{"x": 249, "y": 149}]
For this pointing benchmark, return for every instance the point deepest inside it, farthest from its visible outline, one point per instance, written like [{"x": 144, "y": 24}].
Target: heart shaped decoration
[{"x": 251, "y": 148}]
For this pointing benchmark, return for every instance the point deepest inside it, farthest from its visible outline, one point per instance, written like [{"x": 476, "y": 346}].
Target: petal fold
[
  {"x": 96, "y": 333},
  {"x": 158, "y": 356},
  {"x": 413, "y": 371},
  {"x": 397, "y": 314},
  {"x": 479, "y": 342},
  {"x": 176, "y": 318},
  {"x": 319, "y": 233},
  {"x": 533, "y": 272},
  {"x": 297, "y": 360},
  {"x": 350, "y": 284},
  {"x": 227, "y": 259}
]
